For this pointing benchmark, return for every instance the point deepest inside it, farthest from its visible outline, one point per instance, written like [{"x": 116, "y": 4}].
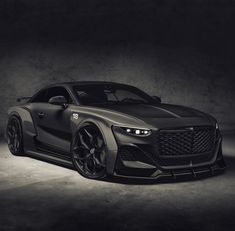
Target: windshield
[{"x": 111, "y": 94}]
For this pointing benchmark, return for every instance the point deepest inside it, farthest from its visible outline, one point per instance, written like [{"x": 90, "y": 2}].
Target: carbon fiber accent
[{"x": 186, "y": 141}]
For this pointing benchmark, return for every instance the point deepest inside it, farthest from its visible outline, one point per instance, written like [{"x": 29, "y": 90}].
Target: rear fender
[{"x": 29, "y": 130}]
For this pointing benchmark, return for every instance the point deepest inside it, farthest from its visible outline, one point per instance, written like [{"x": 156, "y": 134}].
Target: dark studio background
[
  {"x": 183, "y": 51},
  {"x": 180, "y": 50}
]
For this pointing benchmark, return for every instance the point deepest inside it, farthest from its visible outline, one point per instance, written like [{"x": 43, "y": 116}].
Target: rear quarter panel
[{"x": 29, "y": 131}]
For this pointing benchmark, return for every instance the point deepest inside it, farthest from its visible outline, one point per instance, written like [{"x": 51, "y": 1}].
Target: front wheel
[{"x": 89, "y": 152}]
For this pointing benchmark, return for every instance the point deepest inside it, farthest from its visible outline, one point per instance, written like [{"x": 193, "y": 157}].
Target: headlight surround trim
[{"x": 140, "y": 132}]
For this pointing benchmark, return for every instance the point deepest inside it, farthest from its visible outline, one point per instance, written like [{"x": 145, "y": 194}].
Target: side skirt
[
  {"x": 53, "y": 152},
  {"x": 50, "y": 159},
  {"x": 51, "y": 155}
]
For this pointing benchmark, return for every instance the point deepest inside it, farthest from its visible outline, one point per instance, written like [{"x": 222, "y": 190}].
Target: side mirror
[
  {"x": 58, "y": 100},
  {"x": 157, "y": 98}
]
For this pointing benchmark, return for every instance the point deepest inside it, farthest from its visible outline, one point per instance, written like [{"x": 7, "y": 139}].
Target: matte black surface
[{"x": 178, "y": 138}]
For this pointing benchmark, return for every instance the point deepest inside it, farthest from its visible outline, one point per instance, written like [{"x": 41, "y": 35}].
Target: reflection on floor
[{"x": 35, "y": 195}]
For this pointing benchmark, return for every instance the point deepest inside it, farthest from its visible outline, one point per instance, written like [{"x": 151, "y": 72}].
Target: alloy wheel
[
  {"x": 89, "y": 155},
  {"x": 14, "y": 136}
]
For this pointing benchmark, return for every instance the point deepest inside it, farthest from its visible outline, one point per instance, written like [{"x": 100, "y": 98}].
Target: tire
[
  {"x": 15, "y": 136},
  {"x": 89, "y": 152}
]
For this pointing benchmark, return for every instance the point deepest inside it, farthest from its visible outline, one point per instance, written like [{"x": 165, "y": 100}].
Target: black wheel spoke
[
  {"x": 83, "y": 143},
  {"x": 78, "y": 157},
  {"x": 85, "y": 166},
  {"x": 97, "y": 142},
  {"x": 15, "y": 144},
  {"x": 90, "y": 137},
  {"x": 89, "y": 152},
  {"x": 98, "y": 162},
  {"x": 80, "y": 153},
  {"x": 93, "y": 166},
  {"x": 88, "y": 134},
  {"x": 13, "y": 129},
  {"x": 100, "y": 149},
  {"x": 10, "y": 134},
  {"x": 78, "y": 149},
  {"x": 10, "y": 137}
]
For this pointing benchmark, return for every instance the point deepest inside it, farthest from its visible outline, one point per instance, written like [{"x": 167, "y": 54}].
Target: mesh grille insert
[{"x": 186, "y": 141}]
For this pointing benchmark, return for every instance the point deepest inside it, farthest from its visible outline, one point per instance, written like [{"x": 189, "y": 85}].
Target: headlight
[
  {"x": 137, "y": 131},
  {"x": 216, "y": 126}
]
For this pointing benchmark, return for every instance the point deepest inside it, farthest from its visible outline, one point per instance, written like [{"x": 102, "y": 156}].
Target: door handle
[{"x": 41, "y": 115}]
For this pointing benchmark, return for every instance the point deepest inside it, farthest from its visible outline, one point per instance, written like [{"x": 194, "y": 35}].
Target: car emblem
[
  {"x": 191, "y": 164},
  {"x": 75, "y": 116}
]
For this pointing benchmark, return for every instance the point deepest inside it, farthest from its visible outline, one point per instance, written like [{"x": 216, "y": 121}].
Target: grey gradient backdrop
[{"x": 181, "y": 51}]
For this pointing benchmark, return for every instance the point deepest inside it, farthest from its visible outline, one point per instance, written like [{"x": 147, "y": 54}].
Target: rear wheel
[
  {"x": 89, "y": 152},
  {"x": 15, "y": 136}
]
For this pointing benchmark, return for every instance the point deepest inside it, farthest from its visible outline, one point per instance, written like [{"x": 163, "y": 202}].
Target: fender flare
[
  {"x": 27, "y": 123},
  {"x": 109, "y": 139}
]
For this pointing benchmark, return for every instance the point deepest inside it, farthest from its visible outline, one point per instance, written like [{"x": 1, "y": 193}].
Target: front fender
[{"x": 109, "y": 139}]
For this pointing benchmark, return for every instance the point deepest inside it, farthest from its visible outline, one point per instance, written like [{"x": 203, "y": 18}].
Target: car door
[{"x": 53, "y": 121}]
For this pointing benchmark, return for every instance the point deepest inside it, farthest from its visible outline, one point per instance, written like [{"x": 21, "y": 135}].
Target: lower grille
[
  {"x": 186, "y": 141},
  {"x": 130, "y": 153}
]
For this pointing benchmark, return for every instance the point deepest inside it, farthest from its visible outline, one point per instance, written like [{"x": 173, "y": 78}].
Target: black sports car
[{"x": 105, "y": 128}]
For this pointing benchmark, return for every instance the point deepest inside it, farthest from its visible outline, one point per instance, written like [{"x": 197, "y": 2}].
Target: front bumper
[{"x": 138, "y": 158}]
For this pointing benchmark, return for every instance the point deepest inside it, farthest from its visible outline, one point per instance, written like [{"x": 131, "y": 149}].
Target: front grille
[{"x": 186, "y": 141}]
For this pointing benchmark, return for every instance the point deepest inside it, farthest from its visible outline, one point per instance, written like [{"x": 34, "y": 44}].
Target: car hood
[
  {"x": 165, "y": 115},
  {"x": 156, "y": 111}
]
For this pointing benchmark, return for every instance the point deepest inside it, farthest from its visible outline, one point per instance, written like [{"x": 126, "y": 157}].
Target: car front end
[
  {"x": 169, "y": 151},
  {"x": 152, "y": 139}
]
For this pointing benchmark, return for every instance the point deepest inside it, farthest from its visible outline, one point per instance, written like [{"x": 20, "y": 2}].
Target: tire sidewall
[
  {"x": 74, "y": 140},
  {"x": 20, "y": 152}
]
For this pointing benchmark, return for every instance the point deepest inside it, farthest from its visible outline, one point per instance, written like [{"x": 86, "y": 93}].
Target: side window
[
  {"x": 40, "y": 97},
  {"x": 58, "y": 91}
]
